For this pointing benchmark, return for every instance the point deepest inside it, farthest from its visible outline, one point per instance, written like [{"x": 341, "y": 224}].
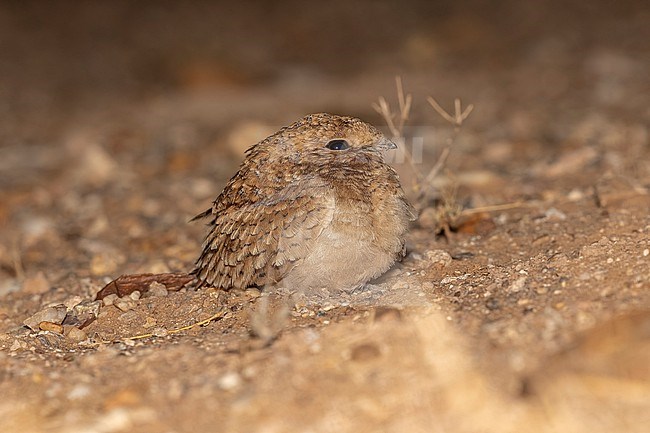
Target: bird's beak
[{"x": 386, "y": 144}]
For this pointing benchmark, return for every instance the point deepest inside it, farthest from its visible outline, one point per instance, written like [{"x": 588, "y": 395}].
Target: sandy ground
[{"x": 530, "y": 312}]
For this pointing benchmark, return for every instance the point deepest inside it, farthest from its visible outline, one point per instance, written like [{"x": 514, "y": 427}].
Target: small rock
[
  {"x": 518, "y": 284},
  {"x": 575, "y": 195},
  {"x": 229, "y": 381},
  {"x": 554, "y": 215},
  {"x": 159, "y": 331},
  {"x": 439, "y": 258},
  {"x": 79, "y": 392},
  {"x": 253, "y": 293},
  {"x": 51, "y": 327},
  {"x": 135, "y": 295},
  {"x": 76, "y": 334},
  {"x": 149, "y": 322},
  {"x": 110, "y": 299},
  {"x": 95, "y": 166},
  {"x": 124, "y": 304},
  {"x": 17, "y": 344},
  {"x": 104, "y": 264},
  {"x": 54, "y": 314},
  {"x": 70, "y": 303},
  {"x": 83, "y": 313},
  {"x": 157, "y": 289},
  {"x": 492, "y": 304},
  {"x": 36, "y": 284}
]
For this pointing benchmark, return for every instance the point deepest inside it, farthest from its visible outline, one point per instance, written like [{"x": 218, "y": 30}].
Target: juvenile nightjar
[{"x": 312, "y": 206}]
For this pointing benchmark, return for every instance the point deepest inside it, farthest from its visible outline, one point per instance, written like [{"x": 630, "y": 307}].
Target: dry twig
[
  {"x": 218, "y": 315},
  {"x": 396, "y": 122}
]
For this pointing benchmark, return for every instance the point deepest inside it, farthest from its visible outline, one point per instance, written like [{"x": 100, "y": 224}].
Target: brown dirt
[{"x": 121, "y": 122}]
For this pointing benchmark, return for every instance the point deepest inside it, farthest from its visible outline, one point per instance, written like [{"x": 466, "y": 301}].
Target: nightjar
[{"x": 313, "y": 206}]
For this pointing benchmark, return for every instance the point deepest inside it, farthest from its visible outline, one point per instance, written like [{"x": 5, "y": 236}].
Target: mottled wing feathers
[{"x": 256, "y": 244}]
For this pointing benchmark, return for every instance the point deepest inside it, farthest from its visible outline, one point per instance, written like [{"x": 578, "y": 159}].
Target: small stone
[
  {"x": 70, "y": 303},
  {"x": 36, "y": 284},
  {"x": 518, "y": 284},
  {"x": 110, "y": 299},
  {"x": 157, "y": 289},
  {"x": 79, "y": 392},
  {"x": 54, "y": 314},
  {"x": 124, "y": 304},
  {"x": 439, "y": 258},
  {"x": 51, "y": 327},
  {"x": 76, "y": 334},
  {"x": 400, "y": 285},
  {"x": 149, "y": 322},
  {"x": 17, "y": 344},
  {"x": 159, "y": 332},
  {"x": 554, "y": 215},
  {"x": 646, "y": 252},
  {"x": 575, "y": 195},
  {"x": 104, "y": 264},
  {"x": 230, "y": 381},
  {"x": 253, "y": 293},
  {"x": 135, "y": 295}
]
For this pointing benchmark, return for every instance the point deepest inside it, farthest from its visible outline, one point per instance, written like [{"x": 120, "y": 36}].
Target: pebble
[
  {"x": 159, "y": 332},
  {"x": 79, "y": 392},
  {"x": 110, "y": 299},
  {"x": 95, "y": 165},
  {"x": 124, "y": 304},
  {"x": 541, "y": 290},
  {"x": 253, "y": 293},
  {"x": 104, "y": 264},
  {"x": 554, "y": 215},
  {"x": 149, "y": 322},
  {"x": 229, "y": 381},
  {"x": 575, "y": 195},
  {"x": 135, "y": 295},
  {"x": 36, "y": 284},
  {"x": 70, "y": 303},
  {"x": 51, "y": 327},
  {"x": 54, "y": 314},
  {"x": 157, "y": 289},
  {"x": 646, "y": 252},
  {"x": 427, "y": 286},
  {"x": 400, "y": 285},
  {"x": 17, "y": 344},
  {"x": 76, "y": 334},
  {"x": 440, "y": 258},
  {"x": 518, "y": 284}
]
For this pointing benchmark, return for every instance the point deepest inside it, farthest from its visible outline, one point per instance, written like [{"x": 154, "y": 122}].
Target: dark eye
[{"x": 337, "y": 145}]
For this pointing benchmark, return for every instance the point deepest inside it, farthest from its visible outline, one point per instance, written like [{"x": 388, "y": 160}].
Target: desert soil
[{"x": 523, "y": 304}]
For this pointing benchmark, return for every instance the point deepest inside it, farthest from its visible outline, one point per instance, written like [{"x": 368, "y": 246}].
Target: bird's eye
[{"x": 337, "y": 145}]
